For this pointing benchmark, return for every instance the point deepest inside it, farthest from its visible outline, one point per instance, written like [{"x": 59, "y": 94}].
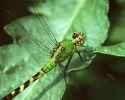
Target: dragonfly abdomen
[{"x": 35, "y": 77}]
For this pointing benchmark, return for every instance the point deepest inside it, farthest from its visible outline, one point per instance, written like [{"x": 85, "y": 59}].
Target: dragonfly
[{"x": 61, "y": 51}]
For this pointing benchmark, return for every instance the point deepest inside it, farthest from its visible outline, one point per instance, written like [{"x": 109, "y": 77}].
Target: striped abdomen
[
  {"x": 61, "y": 53},
  {"x": 48, "y": 67}
]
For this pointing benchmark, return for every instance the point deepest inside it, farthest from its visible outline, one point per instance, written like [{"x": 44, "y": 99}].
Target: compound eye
[{"x": 74, "y": 35}]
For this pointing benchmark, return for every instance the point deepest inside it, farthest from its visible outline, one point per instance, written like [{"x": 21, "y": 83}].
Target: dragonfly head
[{"x": 78, "y": 38}]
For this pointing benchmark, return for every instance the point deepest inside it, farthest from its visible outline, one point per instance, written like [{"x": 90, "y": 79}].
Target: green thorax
[
  {"x": 60, "y": 53},
  {"x": 62, "y": 50}
]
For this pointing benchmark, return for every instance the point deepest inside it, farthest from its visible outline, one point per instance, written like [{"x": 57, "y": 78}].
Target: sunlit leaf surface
[
  {"x": 86, "y": 16},
  {"x": 116, "y": 50}
]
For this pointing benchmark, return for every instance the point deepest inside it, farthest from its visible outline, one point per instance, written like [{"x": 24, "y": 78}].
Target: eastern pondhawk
[{"x": 58, "y": 53}]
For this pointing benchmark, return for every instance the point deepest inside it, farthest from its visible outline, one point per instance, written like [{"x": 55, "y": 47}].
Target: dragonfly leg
[
  {"x": 67, "y": 64},
  {"x": 84, "y": 66},
  {"x": 64, "y": 75},
  {"x": 81, "y": 58},
  {"x": 64, "y": 70}
]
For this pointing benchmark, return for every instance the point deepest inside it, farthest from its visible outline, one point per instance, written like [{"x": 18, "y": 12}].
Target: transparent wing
[{"x": 34, "y": 35}]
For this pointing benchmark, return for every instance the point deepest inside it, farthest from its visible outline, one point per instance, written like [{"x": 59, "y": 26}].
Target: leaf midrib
[{"x": 75, "y": 14}]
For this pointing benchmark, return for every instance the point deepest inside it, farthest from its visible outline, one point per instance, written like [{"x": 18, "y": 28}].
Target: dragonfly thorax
[
  {"x": 62, "y": 50},
  {"x": 67, "y": 47}
]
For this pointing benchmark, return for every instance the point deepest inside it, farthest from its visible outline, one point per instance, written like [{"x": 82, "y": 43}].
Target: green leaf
[
  {"x": 8, "y": 56},
  {"x": 64, "y": 17},
  {"x": 116, "y": 50},
  {"x": 21, "y": 70},
  {"x": 68, "y": 16},
  {"x": 117, "y": 17}
]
